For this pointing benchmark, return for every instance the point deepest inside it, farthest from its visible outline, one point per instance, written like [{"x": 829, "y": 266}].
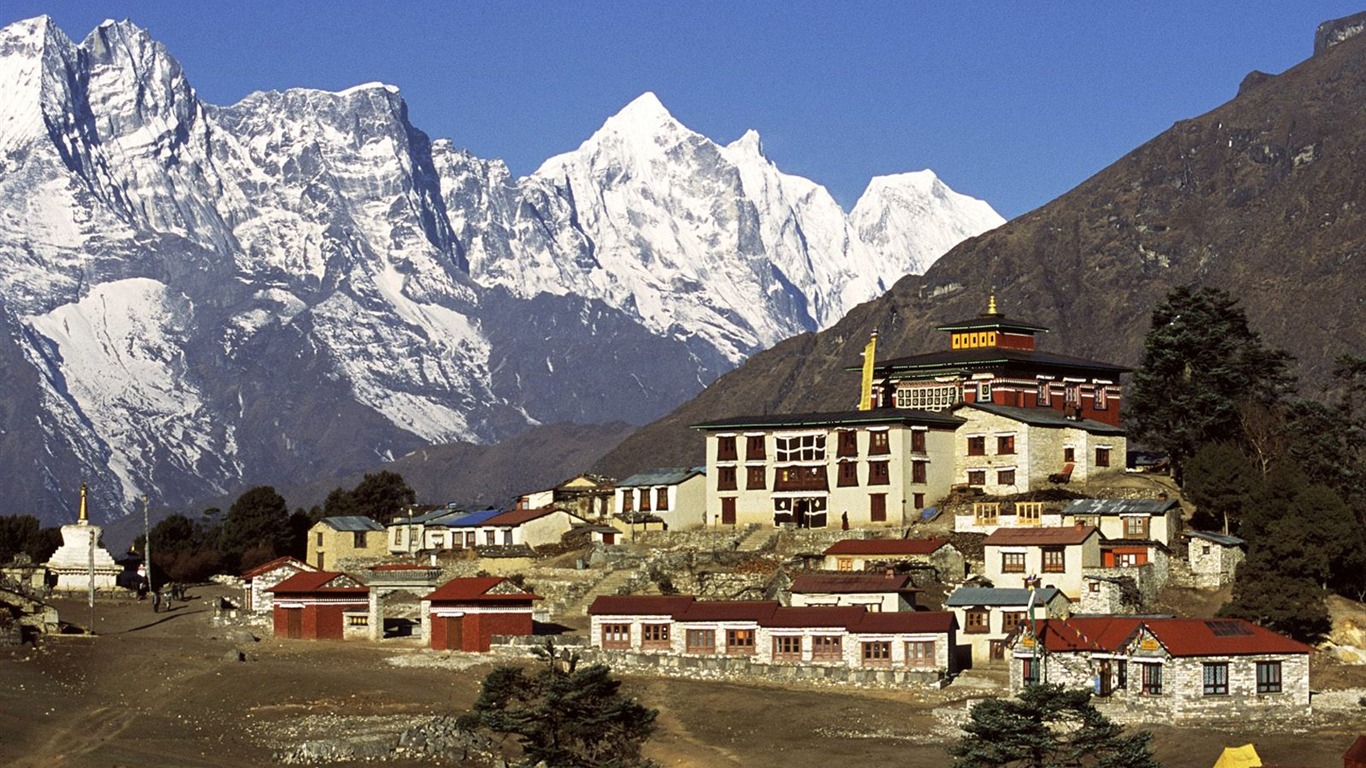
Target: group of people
[{"x": 173, "y": 591}]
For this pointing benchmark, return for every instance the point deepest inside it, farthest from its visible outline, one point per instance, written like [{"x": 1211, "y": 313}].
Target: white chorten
[{"x": 82, "y": 559}]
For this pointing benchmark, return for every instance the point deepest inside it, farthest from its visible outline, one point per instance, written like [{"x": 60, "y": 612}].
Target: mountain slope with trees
[{"x": 1262, "y": 196}]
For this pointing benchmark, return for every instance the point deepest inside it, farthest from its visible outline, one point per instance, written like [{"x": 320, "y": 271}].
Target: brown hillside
[{"x": 1262, "y": 196}]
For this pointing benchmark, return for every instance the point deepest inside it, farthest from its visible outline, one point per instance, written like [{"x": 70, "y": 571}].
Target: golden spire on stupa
[
  {"x": 991, "y": 304},
  {"x": 84, "y": 520}
]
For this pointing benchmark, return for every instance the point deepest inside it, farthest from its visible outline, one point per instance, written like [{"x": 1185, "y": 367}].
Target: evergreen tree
[
  {"x": 1218, "y": 480},
  {"x": 258, "y": 522},
  {"x": 1048, "y": 725},
  {"x": 1201, "y": 361},
  {"x": 382, "y": 496},
  {"x": 562, "y": 715}
]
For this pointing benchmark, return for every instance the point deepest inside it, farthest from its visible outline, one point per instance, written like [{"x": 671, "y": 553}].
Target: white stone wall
[
  {"x": 885, "y": 602},
  {"x": 1076, "y": 558},
  {"x": 1215, "y": 568}
]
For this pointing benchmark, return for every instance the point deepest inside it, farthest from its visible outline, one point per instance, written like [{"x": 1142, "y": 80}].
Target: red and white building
[
  {"x": 465, "y": 614},
  {"x": 256, "y": 583},
  {"x": 320, "y": 605}
]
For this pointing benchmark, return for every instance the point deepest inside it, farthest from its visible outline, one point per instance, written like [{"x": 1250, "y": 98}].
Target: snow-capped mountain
[{"x": 194, "y": 296}]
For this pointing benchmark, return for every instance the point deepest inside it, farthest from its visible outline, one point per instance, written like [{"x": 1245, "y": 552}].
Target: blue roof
[
  {"x": 999, "y": 596},
  {"x": 352, "y": 523},
  {"x": 661, "y": 476},
  {"x": 471, "y": 519},
  {"x": 1112, "y": 507}
]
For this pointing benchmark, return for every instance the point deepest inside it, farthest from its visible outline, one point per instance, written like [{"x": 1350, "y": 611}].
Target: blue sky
[{"x": 1012, "y": 102}]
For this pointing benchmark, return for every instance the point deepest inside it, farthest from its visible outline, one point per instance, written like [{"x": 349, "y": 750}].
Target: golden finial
[
  {"x": 991, "y": 304},
  {"x": 83, "y": 520}
]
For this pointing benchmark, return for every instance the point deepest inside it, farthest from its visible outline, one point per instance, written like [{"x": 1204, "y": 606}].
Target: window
[
  {"x": 918, "y": 500},
  {"x": 654, "y": 635},
  {"x": 1054, "y": 560},
  {"x": 1216, "y": 679},
  {"x": 662, "y": 497},
  {"x": 754, "y": 478},
  {"x": 1268, "y": 677},
  {"x": 1010, "y": 620},
  {"x": 877, "y": 507},
  {"x": 1122, "y": 674},
  {"x": 628, "y": 500},
  {"x": 1028, "y": 512},
  {"x": 1094, "y": 587},
  {"x": 877, "y": 653},
  {"x": 701, "y": 641},
  {"x": 1005, "y": 444},
  {"x": 827, "y": 647},
  {"x": 740, "y": 642},
  {"x": 848, "y": 443},
  {"x": 1031, "y": 671},
  {"x": 469, "y": 540},
  {"x": 844, "y": 564},
  {"x": 932, "y": 398},
  {"x": 977, "y": 446},
  {"x": 1069, "y": 455},
  {"x": 977, "y": 622},
  {"x": 983, "y": 391},
  {"x": 919, "y": 469},
  {"x": 917, "y": 441},
  {"x": 754, "y": 448},
  {"x": 1045, "y": 393},
  {"x": 1102, "y": 457},
  {"x": 616, "y": 636},
  {"x": 800, "y": 479},
  {"x": 507, "y": 538},
  {"x": 1102, "y": 398},
  {"x": 920, "y": 653},
  {"x": 725, "y": 478},
  {"x": 725, "y": 448},
  {"x": 879, "y": 443},
  {"x": 645, "y": 493},
  {"x": 1135, "y": 527},
  {"x": 986, "y": 512},
  {"x": 1012, "y": 562},
  {"x": 1204, "y": 550},
  {"x": 490, "y": 538},
  {"x": 1005, "y": 477},
  {"x": 848, "y": 474},
  {"x": 787, "y": 648},
  {"x": 357, "y": 620},
  {"x": 320, "y": 538},
  {"x": 1152, "y": 679},
  {"x": 358, "y": 539},
  {"x": 878, "y": 473},
  {"x": 438, "y": 540},
  {"x": 977, "y": 477},
  {"x": 800, "y": 448},
  {"x": 1071, "y": 394}
]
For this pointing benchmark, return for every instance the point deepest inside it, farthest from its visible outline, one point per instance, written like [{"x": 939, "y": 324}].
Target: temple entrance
[
  {"x": 455, "y": 632},
  {"x": 801, "y": 512}
]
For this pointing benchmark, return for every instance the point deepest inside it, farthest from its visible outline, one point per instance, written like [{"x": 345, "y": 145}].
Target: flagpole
[{"x": 146, "y": 545}]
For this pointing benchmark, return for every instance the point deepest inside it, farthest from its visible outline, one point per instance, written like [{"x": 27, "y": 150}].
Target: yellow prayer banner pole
[{"x": 865, "y": 402}]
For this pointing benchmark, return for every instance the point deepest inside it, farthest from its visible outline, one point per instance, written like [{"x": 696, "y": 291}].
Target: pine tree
[
  {"x": 1048, "y": 725},
  {"x": 563, "y": 715}
]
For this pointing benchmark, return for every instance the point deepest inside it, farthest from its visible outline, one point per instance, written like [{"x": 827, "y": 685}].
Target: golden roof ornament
[{"x": 84, "y": 520}]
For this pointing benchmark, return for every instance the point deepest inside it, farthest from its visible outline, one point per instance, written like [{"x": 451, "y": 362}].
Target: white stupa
[{"x": 82, "y": 559}]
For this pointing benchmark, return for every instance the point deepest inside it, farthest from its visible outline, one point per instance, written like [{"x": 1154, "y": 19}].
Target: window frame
[
  {"x": 920, "y": 470},
  {"x": 847, "y": 475},
  {"x": 1058, "y": 556},
  {"x": 725, "y": 479},
  {"x": 977, "y": 477},
  {"x": 1265, "y": 685},
  {"x": 756, "y": 478},
  {"x": 976, "y": 621},
  {"x": 725, "y": 448},
  {"x": 880, "y": 472},
  {"x": 977, "y": 445},
  {"x": 827, "y": 648},
  {"x": 920, "y": 654},
  {"x": 740, "y": 641},
  {"x": 615, "y": 636},
  {"x": 1214, "y": 677},
  {"x": 662, "y": 499},
  {"x": 1005, "y": 445},
  {"x": 663, "y": 636},
  {"x": 879, "y": 442},
  {"x": 783, "y": 647},
  {"x": 876, "y": 653},
  {"x": 918, "y": 440},
  {"x": 1012, "y": 562},
  {"x": 692, "y": 644},
  {"x": 846, "y": 443},
  {"x": 1005, "y": 476},
  {"x": 754, "y": 448},
  {"x": 1150, "y": 679},
  {"x": 1102, "y": 456}
]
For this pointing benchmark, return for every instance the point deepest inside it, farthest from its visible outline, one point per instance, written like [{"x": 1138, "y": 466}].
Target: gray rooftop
[
  {"x": 964, "y": 597},
  {"x": 1044, "y": 417},
  {"x": 1217, "y": 538},
  {"x": 661, "y": 476},
  {"x": 1113, "y": 507},
  {"x": 352, "y": 523}
]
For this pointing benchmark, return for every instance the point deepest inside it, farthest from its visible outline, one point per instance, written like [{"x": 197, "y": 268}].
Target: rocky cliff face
[
  {"x": 1262, "y": 196},
  {"x": 194, "y": 297}
]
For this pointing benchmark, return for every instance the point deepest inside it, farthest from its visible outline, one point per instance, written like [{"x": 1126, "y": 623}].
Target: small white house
[
  {"x": 530, "y": 527},
  {"x": 675, "y": 496},
  {"x": 1214, "y": 557},
  {"x": 873, "y": 592},
  {"x": 987, "y": 616}
]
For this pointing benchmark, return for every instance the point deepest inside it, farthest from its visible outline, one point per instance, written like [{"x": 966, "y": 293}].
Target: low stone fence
[{"x": 740, "y": 669}]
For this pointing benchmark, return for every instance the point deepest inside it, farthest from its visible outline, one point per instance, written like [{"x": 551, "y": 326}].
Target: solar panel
[{"x": 1226, "y": 628}]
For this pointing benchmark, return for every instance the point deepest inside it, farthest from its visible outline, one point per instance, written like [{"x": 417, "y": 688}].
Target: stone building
[
  {"x": 466, "y": 614},
  {"x": 987, "y": 616},
  {"x": 870, "y": 591},
  {"x": 256, "y": 582},
  {"x": 1056, "y": 557},
  {"x": 320, "y": 605},
  {"x": 673, "y": 497},
  {"x": 1214, "y": 558},
  {"x": 347, "y": 537},
  {"x": 1005, "y": 449},
  {"x": 880, "y": 554}
]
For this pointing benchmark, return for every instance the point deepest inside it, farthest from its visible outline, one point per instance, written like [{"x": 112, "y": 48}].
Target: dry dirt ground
[{"x": 159, "y": 689}]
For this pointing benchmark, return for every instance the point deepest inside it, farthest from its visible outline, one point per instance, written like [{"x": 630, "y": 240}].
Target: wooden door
[
  {"x": 1104, "y": 687},
  {"x": 294, "y": 623},
  {"x": 728, "y": 511},
  {"x": 455, "y": 632}
]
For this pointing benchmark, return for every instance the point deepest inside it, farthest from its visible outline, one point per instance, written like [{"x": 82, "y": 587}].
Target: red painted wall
[
  {"x": 320, "y": 622},
  {"x": 478, "y": 629}
]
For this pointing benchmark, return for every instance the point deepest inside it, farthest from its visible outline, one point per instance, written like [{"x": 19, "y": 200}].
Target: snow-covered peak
[
  {"x": 641, "y": 129},
  {"x": 26, "y": 47},
  {"x": 749, "y": 144},
  {"x": 392, "y": 89},
  {"x": 919, "y": 215}
]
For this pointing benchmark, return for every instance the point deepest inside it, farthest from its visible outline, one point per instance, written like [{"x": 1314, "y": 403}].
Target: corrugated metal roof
[
  {"x": 472, "y": 519},
  {"x": 1115, "y": 507},
  {"x": 999, "y": 596},
  {"x": 661, "y": 476},
  {"x": 728, "y": 610},
  {"x": 476, "y": 590},
  {"x": 981, "y": 357},
  {"x": 639, "y": 605},
  {"x": 1217, "y": 538},
  {"x": 850, "y": 583},
  {"x": 279, "y": 562},
  {"x": 316, "y": 581},
  {"x": 1044, "y": 417},
  {"x": 1220, "y": 637},
  {"x": 885, "y": 546},
  {"x": 1030, "y": 537},
  {"x": 905, "y": 621},
  {"x": 518, "y": 516},
  {"x": 352, "y": 523}
]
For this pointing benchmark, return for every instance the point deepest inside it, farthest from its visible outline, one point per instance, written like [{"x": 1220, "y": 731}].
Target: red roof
[
  {"x": 728, "y": 610},
  {"x": 1029, "y": 537},
  {"x": 314, "y": 581},
  {"x": 1355, "y": 754},
  {"x": 845, "y": 583},
  {"x": 277, "y": 563},
  {"x": 1100, "y": 633},
  {"x": 885, "y": 546},
  {"x": 475, "y": 590},
  {"x": 1220, "y": 637},
  {"x": 518, "y": 516},
  {"x": 842, "y": 616},
  {"x": 906, "y": 621},
  {"x": 639, "y": 605}
]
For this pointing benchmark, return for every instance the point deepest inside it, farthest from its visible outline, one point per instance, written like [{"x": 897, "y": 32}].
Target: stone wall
[
  {"x": 1213, "y": 569},
  {"x": 1183, "y": 694},
  {"x": 1148, "y": 579},
  {"x": 741, "y": 668}
]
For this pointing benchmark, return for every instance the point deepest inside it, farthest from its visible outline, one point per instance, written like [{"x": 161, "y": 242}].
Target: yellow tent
[{"x": 1239, "y": 757}]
